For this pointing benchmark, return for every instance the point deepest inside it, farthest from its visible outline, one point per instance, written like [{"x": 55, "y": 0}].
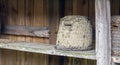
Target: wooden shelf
[
  {"x": 50, "y": 49},
  {"x": 47, "y": 49},
  {"x": 116, "y": 59}
]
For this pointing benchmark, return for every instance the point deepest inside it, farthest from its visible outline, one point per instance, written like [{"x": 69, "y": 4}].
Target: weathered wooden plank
[
  {"x": 112, "y": 7},
  {"x": 114, "y": 64},
  {"x": 103, "y": 32},
  {"x": 46, "y": 18},
  {"x": 80, "y": 7},
  {"x": 116, "y": 59},
  {"x": 12, "y": 17},
  {"x": 54, "y": 60},
  {"x": 117, "y": 6},
  {"x": 75, "y": 7},
  {"x": 56, "y": 11},
  {"x": 53, "y": 19},
  {"x": 26, "y": 30},
  {"x": 68, "y": 7},
  {"x": 61, "y": 9},
  {"x": 38, "y": 17},
  {"x": 91, "y": 8},
  {"x": 47, "y": 49},
  {"x": 5, "y": 14},
  {"x": 21, "y": 17},
  {"x": 1, "y": 57},
  {"x": 85, "y": 7},
  {"x": 20, "y": 21},
  {"x": 29, "y": 16}
]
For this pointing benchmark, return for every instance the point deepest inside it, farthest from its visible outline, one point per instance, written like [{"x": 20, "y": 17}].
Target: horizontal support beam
[{"x": 26, "y": 30}]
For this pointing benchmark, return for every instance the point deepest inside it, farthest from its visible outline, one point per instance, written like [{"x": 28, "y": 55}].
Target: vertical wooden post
[
  {"x": 103, "y": 32},
  {"x": 114, "y": 63}
]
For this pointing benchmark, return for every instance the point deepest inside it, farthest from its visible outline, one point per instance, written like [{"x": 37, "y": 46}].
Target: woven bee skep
[
  {"x": 116, "y": 34},
  {"x": 116, "y": 31},
  {"x": 116, "y": 53},
  {"x": 75, "y": 33}
]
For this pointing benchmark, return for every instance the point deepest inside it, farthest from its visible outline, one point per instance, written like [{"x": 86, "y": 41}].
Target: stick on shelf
[{"x": 26, "y": 30}]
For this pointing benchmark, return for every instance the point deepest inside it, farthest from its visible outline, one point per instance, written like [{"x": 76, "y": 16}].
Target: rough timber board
[
  {"x": 47, "y": 49},
  {"x": 38, "y": 31},
  {"x": 116, "y": 59}
]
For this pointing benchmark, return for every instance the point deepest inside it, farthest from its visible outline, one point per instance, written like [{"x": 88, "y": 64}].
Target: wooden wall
[
  {"x": 115, "y": 7},
  {"x": 41, "y": 13}
]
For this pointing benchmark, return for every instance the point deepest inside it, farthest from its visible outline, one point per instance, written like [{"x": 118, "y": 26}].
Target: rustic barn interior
[{"x": 16, "y": 14}]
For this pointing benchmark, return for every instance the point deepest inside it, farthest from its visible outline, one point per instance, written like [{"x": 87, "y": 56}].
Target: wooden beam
[
  {"x": 26, "y": 30},
  {"x": 53, "y": 19},
  {"x": 103, "y": 32},
  {"x": 116, "y": 59}
]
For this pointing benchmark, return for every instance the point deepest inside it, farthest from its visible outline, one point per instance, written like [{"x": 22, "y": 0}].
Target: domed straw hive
[
  {"x": 75, "y": 33},
  {"x": 116, "y": 34}
]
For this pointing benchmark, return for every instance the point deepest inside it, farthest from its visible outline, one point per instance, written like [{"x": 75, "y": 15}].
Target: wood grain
[
  {"x": 103, "y": 32},
  {"x": 29, "y": 16},
  {"x": 53, "y": 19},
  {"x": 24, "y": 12},
  {"x": 46, "y": 18},
  {"x": 26, "y": 31},
  {"x": 38, "y": 17},
  {"x": 68, "y": 7}
]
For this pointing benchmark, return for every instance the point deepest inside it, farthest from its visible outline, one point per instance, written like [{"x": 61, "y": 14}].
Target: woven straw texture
[
  {"x": 116, "y": 34},
  {"x": 116, "y": 31},
  {"x": 75, "y": 33}
]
